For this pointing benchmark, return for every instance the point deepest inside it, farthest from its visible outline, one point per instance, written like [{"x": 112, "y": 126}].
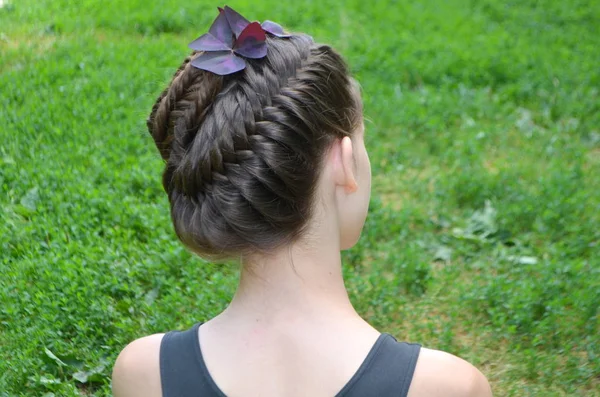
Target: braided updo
[{"x": 243, "y": 151}]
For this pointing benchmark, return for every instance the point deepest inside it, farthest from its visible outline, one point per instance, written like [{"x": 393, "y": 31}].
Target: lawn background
[{"x": 483, "y": 237}]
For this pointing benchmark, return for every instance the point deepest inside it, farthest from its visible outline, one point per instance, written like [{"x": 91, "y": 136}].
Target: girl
[{"x": 262, "y": 134}]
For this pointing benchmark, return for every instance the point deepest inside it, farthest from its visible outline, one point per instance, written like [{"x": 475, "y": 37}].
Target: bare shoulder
[
  {"x": 442, "y": 374},
  {"x": 137, "y": 369}
]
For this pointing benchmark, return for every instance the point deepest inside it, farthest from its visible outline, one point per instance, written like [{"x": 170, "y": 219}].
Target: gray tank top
[{"x": 386, "y": 371}]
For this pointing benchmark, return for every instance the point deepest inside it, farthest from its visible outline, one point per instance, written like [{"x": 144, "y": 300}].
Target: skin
[{"x": 290, "y": 329}]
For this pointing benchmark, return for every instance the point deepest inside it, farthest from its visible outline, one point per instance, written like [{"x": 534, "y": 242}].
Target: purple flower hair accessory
[{"x": 230, "y": 39}]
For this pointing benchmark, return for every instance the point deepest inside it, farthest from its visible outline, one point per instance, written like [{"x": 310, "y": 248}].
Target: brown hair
[{"x": 243, "y": 151}]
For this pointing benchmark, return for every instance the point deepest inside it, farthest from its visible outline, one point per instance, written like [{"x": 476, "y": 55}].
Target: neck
[{"x": 302, "y": 282}]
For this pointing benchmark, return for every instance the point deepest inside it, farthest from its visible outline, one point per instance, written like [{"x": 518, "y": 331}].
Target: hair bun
[{"x": 243, "y": 151}]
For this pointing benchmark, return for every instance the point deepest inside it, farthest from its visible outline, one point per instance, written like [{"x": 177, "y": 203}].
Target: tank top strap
[
  {"x": 387, "y": 371},
  {"x": 182, "y": 368}
]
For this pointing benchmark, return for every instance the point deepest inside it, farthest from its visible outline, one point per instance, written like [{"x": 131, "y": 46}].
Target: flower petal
[
  {"x": 274, "y": 28},
  {"x": 252, "y": 42},
  {"x": 208, "y": 42},
  {"x": 219, "y": 62},
  {"x": 237, "y": 23}
]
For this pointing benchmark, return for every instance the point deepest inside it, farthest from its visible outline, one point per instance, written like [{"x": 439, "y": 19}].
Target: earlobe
[{"x": 347, "y": 158}]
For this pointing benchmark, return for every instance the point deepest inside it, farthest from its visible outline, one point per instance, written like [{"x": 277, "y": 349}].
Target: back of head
[{"x": 244, "y": 151}]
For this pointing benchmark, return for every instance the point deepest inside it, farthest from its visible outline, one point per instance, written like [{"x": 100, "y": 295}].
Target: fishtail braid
[{"x": 244, "y": 151}]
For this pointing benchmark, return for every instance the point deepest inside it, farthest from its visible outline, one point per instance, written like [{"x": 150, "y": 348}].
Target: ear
[{"x": 348, "y": 179}]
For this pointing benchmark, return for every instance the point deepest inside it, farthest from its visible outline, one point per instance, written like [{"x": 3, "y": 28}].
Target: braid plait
[{"x": 243, "y": 151}]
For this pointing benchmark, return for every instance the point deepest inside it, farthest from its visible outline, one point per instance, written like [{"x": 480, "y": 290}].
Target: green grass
[{"x": 484, "y": 230}]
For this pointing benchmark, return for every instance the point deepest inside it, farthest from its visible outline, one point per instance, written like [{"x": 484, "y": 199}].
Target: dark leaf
[
  {"x": 208, "y": 42},
  {"x": 251, "y": 42},
  {"x": 221, "y": 29},
  {"x": 274, "y": 28},
  {"x": 221, "y": 62},
  {"x": 237, "y": 23}
]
